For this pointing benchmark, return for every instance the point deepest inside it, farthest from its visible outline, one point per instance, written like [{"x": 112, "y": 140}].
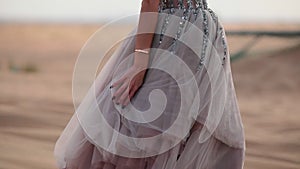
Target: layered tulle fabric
[{"x": 184, "y": 116}]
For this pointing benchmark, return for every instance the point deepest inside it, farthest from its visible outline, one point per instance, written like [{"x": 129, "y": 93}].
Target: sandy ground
[{"x": 35, "y": 107}]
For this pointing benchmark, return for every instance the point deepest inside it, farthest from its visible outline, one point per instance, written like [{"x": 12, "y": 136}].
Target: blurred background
[{"x": 41, "y": 39}]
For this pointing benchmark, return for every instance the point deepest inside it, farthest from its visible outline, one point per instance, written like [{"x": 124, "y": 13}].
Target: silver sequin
[
  {"x": 224, "y": 45},
  {"x": 205, "y": 39},
  {"x": 199, "y": 7}
]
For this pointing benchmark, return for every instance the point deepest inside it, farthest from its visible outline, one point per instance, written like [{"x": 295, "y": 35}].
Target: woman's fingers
[
  {"x": 127, "y": 99},
  {"x": 120, "y": 81},
  {"x": 123, "y": 97},
  {"x": 126, "y": 102},
  {"x": 119, "y": 92},
  {"x": 132, "y": 92},
  {"x": 127, "y": 86},
  {"x": 126, "y": 95}
]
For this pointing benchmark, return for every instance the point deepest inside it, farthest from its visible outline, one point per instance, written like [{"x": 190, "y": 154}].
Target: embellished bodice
[
  {"x": 183, "y": 4},
  {"x": 198, "y": 8}
]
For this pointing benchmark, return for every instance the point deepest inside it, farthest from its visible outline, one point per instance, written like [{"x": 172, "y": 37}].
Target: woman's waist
[{"x": 183, "y": 4}]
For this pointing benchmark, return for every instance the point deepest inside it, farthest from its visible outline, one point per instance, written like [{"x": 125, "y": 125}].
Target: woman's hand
[
  {"x": 128, "y": 84},
  {"x": 132, "y": 80}
]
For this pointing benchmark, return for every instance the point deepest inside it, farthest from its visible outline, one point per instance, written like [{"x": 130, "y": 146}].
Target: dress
[{"x": 189, "y": 85}]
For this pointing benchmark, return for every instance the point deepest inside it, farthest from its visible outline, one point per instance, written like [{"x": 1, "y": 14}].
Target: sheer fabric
[{"x": 186, "y": 112}]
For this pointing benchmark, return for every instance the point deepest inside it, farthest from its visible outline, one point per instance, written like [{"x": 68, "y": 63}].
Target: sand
[{"x": 35, "y": 107}]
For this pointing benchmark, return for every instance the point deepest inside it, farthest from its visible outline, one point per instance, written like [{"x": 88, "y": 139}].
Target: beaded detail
[
  {"x": 214, "y": 16},
  {"x": 198, "y": 8},
  {"x": 180, "y": 4},
  {"x": 224, "y": 45},
  {"x": 182, "y": 25},
  {"x": 205, "y": 5},
  {"x": 205, "y": 38},
  {"x": 164, "y": 27}
]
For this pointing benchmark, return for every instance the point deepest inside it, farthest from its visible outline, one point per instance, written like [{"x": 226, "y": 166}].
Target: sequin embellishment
[{"x": 196, "y": 7}]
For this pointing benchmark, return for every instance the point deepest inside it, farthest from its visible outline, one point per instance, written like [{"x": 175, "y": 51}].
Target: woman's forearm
[{"x": 146, "y": 28}]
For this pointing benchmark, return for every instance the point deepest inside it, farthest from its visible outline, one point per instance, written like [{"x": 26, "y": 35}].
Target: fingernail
[{"x": 113, "y": 97}]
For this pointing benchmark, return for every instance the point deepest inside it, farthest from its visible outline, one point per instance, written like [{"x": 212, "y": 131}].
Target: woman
[{"x": 164, "y": 100}]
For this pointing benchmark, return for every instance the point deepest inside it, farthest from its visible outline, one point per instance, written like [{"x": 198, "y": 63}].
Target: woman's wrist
[{"x": 141, "y": 60}]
